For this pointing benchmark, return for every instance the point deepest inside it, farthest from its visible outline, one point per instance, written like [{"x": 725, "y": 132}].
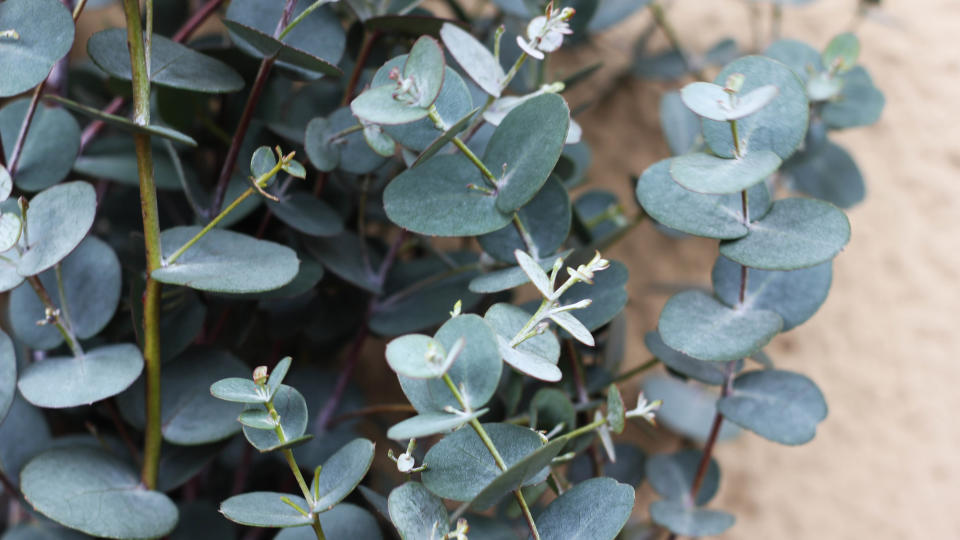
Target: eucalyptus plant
[{"x": 319, "y": 173}]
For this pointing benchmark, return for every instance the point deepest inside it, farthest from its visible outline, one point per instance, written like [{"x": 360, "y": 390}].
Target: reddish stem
[
  {"x": 195, "y": 20},
  {"x": 362, "y": 58}
]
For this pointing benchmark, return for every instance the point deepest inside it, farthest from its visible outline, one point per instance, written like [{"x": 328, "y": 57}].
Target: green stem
[
  {"x": 492, "y": 448},
  {"x": 735, "y": 133},
  {"x": 527, "y": 238},
  {"x": 487, "y": 175},
  {"x": 260, "y": 181},
  {"x": 584, "y": 429},
  {"x": 295, "y": 469},
  {"x": 151, "y": 233},
  {"x": 299, "y": 18},
  {"x": 58, "y": 321}
]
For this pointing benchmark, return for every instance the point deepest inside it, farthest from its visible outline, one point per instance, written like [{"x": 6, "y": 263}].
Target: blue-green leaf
[
  {"x": 796, "y": 233},
  {"x": 57, "y": 221},
  {"x": 8, "y": 374},
  {"x": 546, "y": 217},
  {"x": 688, "y": 409},
  {"x": 294, "y": 416},
  {"x": 672, "y": 475},
  {"x": 795, "y": 295},
  {"x": 73, "y": 381},
  {"x": 416, "y": 513},
  {"x": 828, "y": 173},
  {"x": 712, "y": 101},
  {"x": 475, "y": 59},
  {"x": 431, "y": 423},
  {"x": 341, "y": 473},
  {"x": 782, "y": 406},
  {"x": 225, "y": 261},
  {"x": 710, "y": 216},
  {"x": 859, "y": 103},
  {"x": 266, "y": 45},
  {"x": 306, "y": 213},
  {"x": 266, "y": 509},
  {"x": 680, "y": 125},
  {"x": 699, "y": 370},
  {"x": 525, "y": 148},
  {"x": 88, "y": 489},
  {"x": 780, "y": 126},
  {"x": 689, "y": 521},
  {"x": 476, "y": 370},
  {"x": 713, "y": 175},
  {"x": 189, "y": 414},
  {"x": 595, "y": 509},
  {"x": 44, "y": 33},
  {"x": 343, "y": 521},
  {"x": 124, "y": 123},
  {"x": 51, "y": 145},
  {"x": 700, "y": 326}
]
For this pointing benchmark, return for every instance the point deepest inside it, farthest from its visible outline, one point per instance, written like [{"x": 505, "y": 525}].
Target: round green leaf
[
  {"x": 476, "y": 370},
  {"x": 341, "y": 473},
  {"x": 689, "y": 521},
  {"x": 319, "y": 34},
  {"x": 672, "y": 475},
  {"x": 89, "y": 490},
  {"x": 710, "y": 216},
  {"x": 688, "y": 409},
  {"x": 454, "y": 106},
  {"x": 171, "y": 64},
  {"x": 859, "y": 103},
  {"x": 124, "y": 123},
  {"x": 225, "y": 261},
  {"x": 782, "y": 406},
  {"x": 628, "y": 469},
  {"x": 343, "y": 521},
  {"x": 476, "y": 59},
  {"x": 460, "y": 466},
  {"x": 546, "y": 217},
  {"x": 699, "y": 370},
  {"x": 10, "y": 228},
  {"x": 51, "y": 145},
  {"x": 431, "y": 423},
  {"x": 698, "y": 325},
  {"x": 713, "y": 175},
  {"x": 8, "y": 374},
  {"x": 178, "y": 464},
  {"x": 328, "y": 148},
  {"x": 595, "y": 509},
  {"x": 537, "y": 356},
  {"x": 91, "y": 281},
  {"x": 795, "y": 295},
  {"x": 525, "y": 148},
  {"x": 828, "y": 173},
  {"x": 425, "y": 64},
  {"x": 294, "y": 416},
  {"x": 417, "y": 513},
  {"x": 608, "y": 293},
  {"x": 796, "y": 233},
  {"x": 508, "y": 278},
  {"x": 41, "y": 531},
  {"x": 44, "y": 33},
  {"x": 435, "y": 199},
  {"x": 74, "y": 381},
  {"x": 189, "y": 414},
  {"x": 417, "y": 356},
  {"x": 57, "y": 220},
  {"x": 265, "y": 509},
  {"x": 9, "y": 278},
  {"x": 780, "y": 126},
  {"x": 307, "y": 214},
  {"x": 6, "y": 184}
]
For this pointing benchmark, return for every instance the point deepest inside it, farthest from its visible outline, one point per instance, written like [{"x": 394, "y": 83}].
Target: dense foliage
[{"x": 320, "y": 173}]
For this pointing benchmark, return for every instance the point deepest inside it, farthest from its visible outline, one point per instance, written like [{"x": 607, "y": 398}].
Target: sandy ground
[{"x": 884, "y": 465}]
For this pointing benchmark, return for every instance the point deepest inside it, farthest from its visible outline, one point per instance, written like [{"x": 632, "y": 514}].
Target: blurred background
[{"x": 884, "y": 348}]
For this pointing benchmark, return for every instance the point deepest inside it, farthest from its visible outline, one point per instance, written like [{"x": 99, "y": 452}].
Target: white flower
[
  {"x": 405, "y": 462},
  {"x": 645, "y": 410},
  {"x": 545, "y": 33}
]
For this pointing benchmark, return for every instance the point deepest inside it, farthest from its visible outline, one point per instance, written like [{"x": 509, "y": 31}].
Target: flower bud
[{"x": 260, "y": 375}]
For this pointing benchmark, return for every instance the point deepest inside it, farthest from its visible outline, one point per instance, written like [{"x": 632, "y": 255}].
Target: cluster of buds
[
  {"x": 645, "y": 409},
  {"x": 545, "y": 33},
  {"x": 460, "y": 533},
  {"x": 585, "y": 272},
  {"x": 406, "y": 91}
]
